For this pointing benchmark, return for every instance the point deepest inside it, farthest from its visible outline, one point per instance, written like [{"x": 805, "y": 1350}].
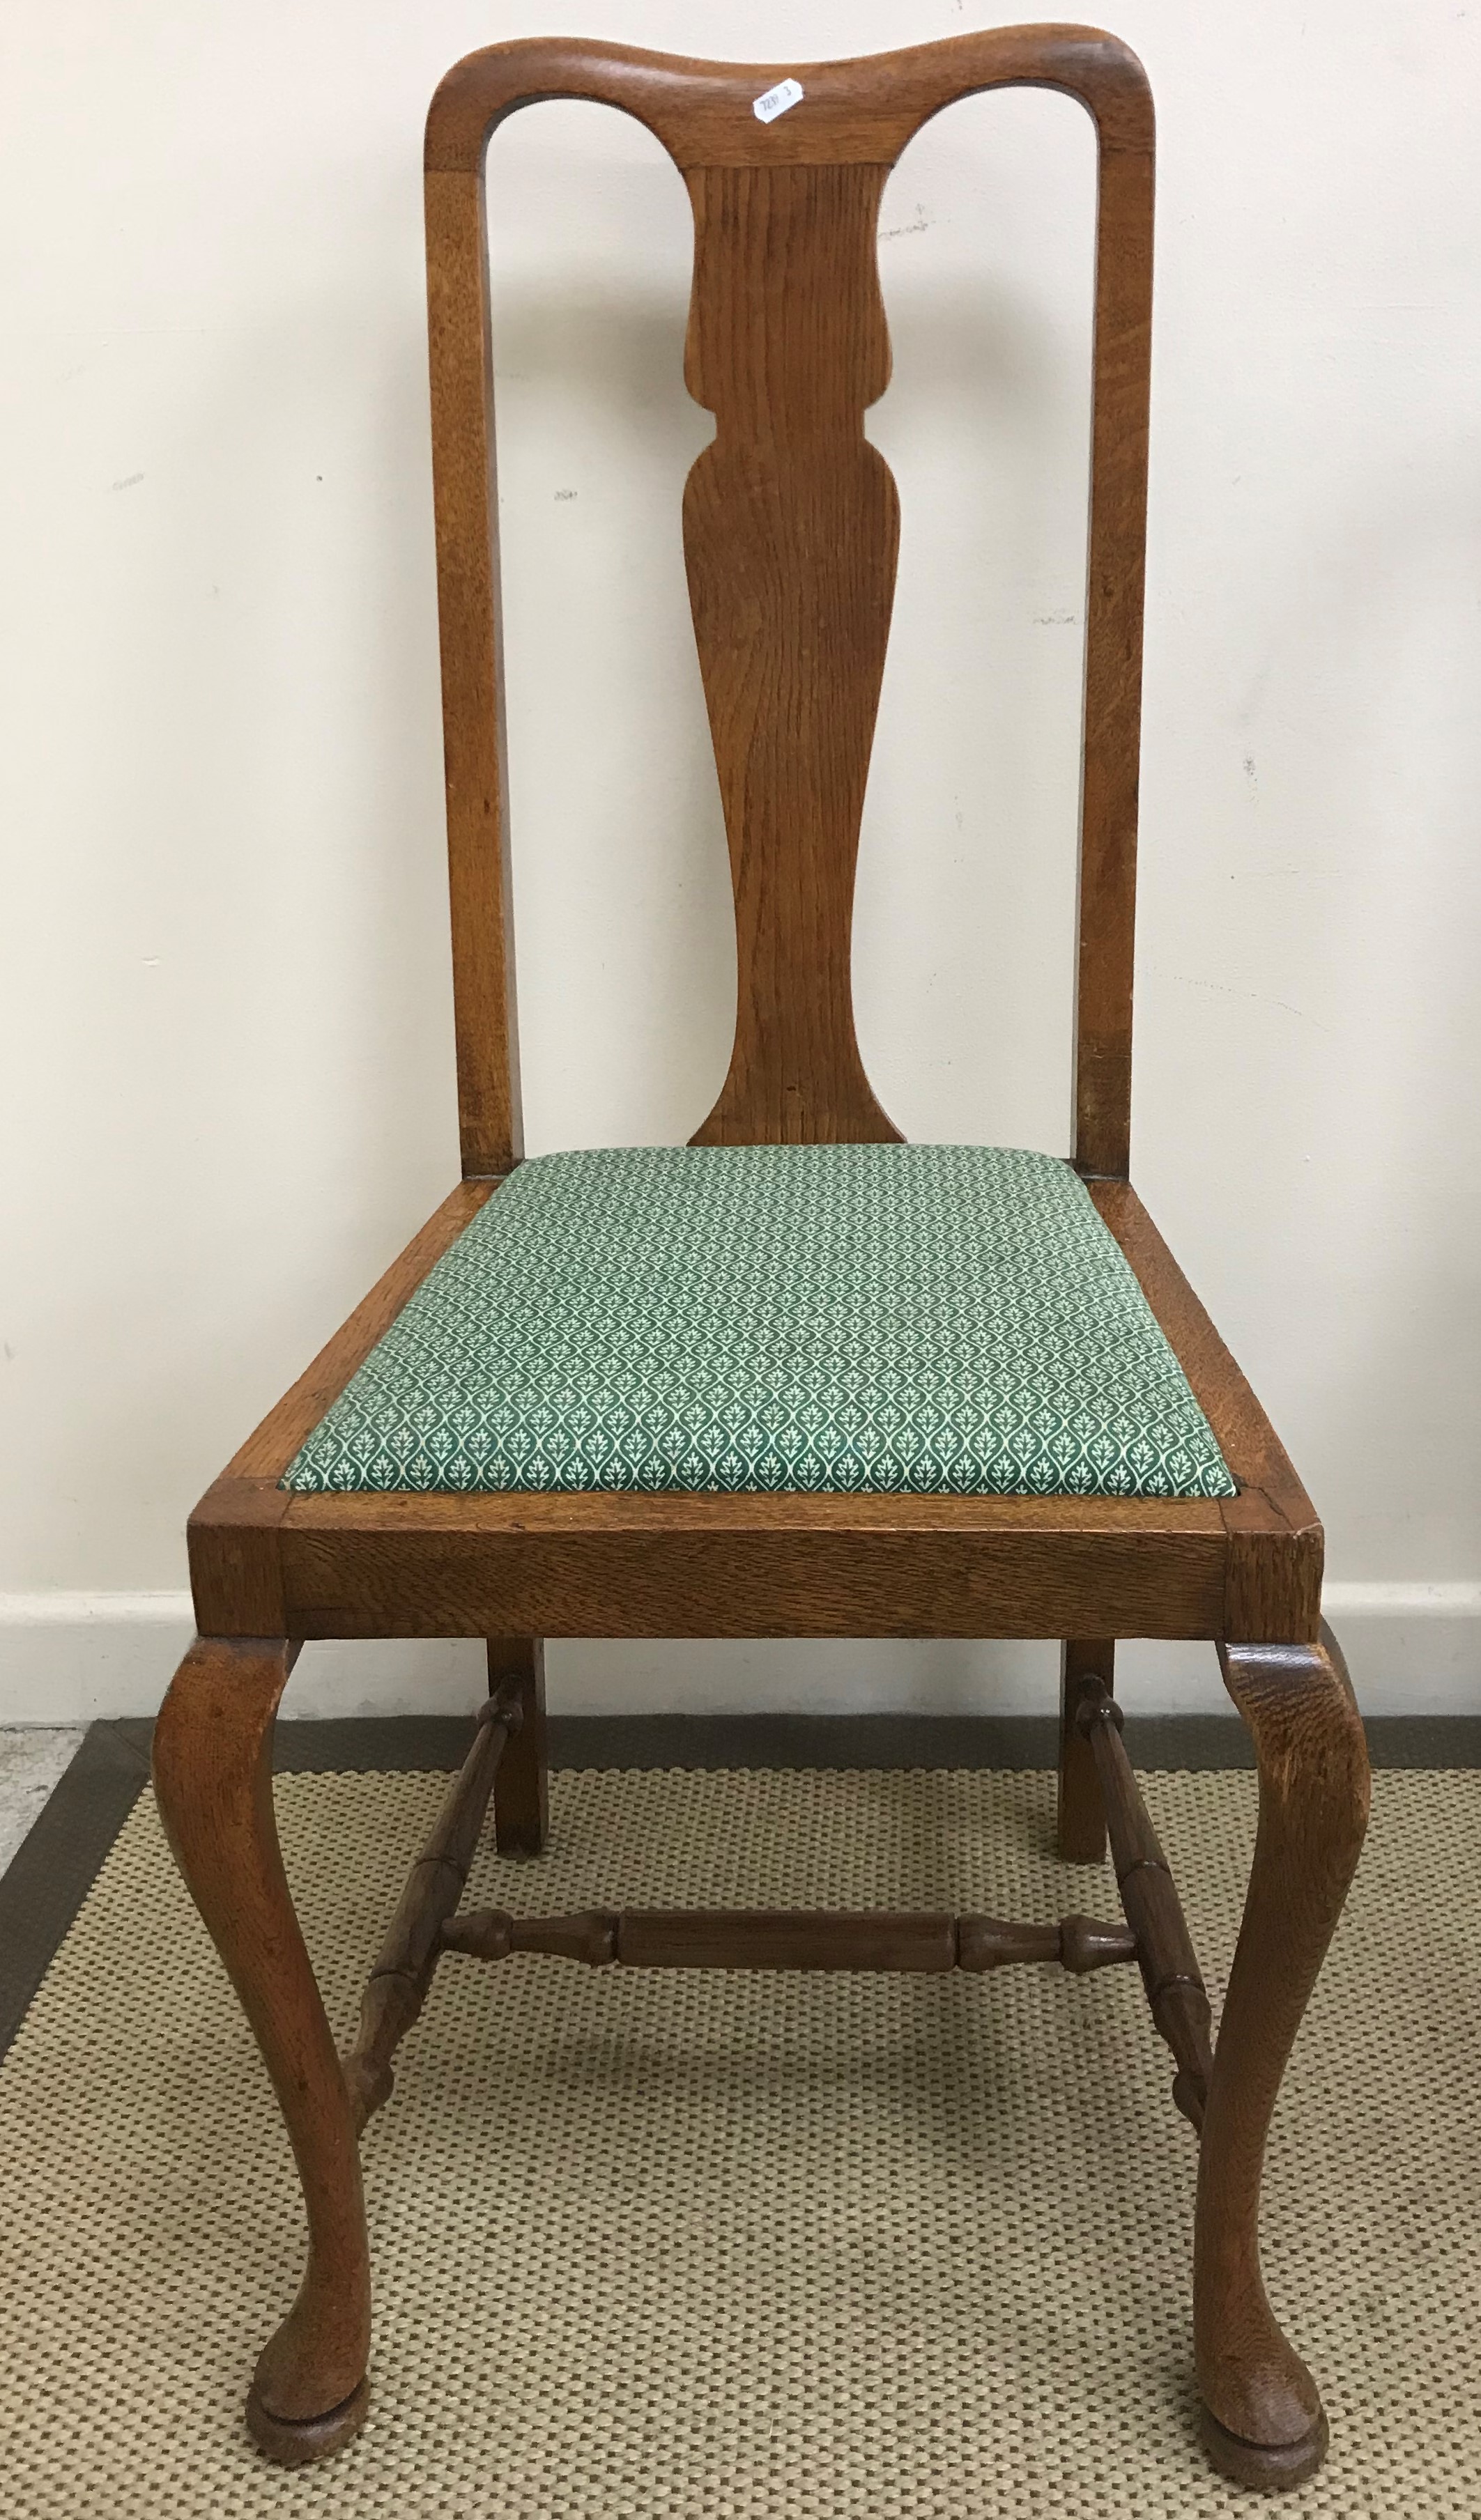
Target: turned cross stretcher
[
  {"x": 426, "y": 1923},
  {"x": 1159, "y": 1503}
]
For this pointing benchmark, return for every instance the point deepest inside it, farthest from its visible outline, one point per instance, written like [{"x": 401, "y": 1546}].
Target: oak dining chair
[{"x": 797, "y": 1377}]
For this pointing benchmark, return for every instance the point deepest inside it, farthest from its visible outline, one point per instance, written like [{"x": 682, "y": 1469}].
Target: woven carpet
[{"x": 686, "y": 2246}]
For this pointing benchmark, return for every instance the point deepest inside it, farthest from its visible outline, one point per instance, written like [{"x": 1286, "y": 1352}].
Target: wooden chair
[{"x": 790, "y": 526}]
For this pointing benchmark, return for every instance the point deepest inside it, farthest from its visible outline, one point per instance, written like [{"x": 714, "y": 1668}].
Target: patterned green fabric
[{"x": 932, "y": 1319}]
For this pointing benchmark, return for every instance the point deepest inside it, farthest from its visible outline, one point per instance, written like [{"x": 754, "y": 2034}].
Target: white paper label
[{"x": 777, "y": 100}]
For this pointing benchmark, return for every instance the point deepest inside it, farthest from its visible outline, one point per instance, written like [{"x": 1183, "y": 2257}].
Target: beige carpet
[{"x": 745, "y": 2247}]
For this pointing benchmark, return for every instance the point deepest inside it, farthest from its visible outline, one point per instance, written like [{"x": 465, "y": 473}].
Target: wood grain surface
[
  {"x": 789, "y": 1938},
  {"x": 1276, "y": 1546},
  {"x": 1165, "y": 1953},
  {"x": 860, "y": 110},
  {"x": 790, "y": 528},
  {"x": 406, "y": 1962},
  {"x": 212, "y": 1768},
  {"x": 521, "y": 1789},
  {"x": 759, "y": 1566},
  {"x": 1080, "y": 1814},
  {"x": 1265, "y": 2423},
  {"x": 267, "y": 1452}
]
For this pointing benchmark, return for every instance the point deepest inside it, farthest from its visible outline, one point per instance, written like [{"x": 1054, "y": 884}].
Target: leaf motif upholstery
[{"x": 890, "y": 1319}]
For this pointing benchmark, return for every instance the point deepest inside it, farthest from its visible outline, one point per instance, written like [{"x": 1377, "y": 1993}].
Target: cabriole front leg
[
  {"x": 213, "y": 1762},
  {"x": 1263, "y": 2423}
]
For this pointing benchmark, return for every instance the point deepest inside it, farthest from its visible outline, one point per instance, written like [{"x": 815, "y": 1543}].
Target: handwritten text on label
[{"x": 777, "y": 100}]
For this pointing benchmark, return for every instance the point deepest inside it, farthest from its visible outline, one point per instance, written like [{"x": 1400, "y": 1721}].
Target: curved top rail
[{"x": 860, "y": 111}]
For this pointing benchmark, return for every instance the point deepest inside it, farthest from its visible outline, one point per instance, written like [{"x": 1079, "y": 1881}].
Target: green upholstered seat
[{"x": 922, "y": 1320}]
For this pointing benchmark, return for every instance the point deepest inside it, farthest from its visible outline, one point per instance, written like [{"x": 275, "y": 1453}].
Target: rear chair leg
[
  {"x": 1263, "y": 2423},
  {"x": 213, "y": 1765},
  {"x": 520, "y": 1803},
  {"x": 1081, "y": 1819}
]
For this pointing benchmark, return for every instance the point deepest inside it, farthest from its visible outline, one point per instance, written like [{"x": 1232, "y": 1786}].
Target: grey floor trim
[
  {"x": 57, "y": 1863},
  {"x": 864, "y": 1741},
  {"x": 370, "y": 1745}
]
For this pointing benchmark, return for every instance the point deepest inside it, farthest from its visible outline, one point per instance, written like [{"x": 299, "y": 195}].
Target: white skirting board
[{"x": 69, "y": 1657}]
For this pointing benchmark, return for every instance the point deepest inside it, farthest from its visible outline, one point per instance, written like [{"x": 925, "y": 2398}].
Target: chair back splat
[{"x": 791, "y": 530}]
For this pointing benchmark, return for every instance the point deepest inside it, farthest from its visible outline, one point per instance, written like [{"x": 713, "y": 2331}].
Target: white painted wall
[{"x": 227, "y": 994}]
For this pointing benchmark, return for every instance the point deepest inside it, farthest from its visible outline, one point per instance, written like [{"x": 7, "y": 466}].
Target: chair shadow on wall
[
  {"x": 1348, "y": 997},
  {"x": 290, "y": 603}
]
